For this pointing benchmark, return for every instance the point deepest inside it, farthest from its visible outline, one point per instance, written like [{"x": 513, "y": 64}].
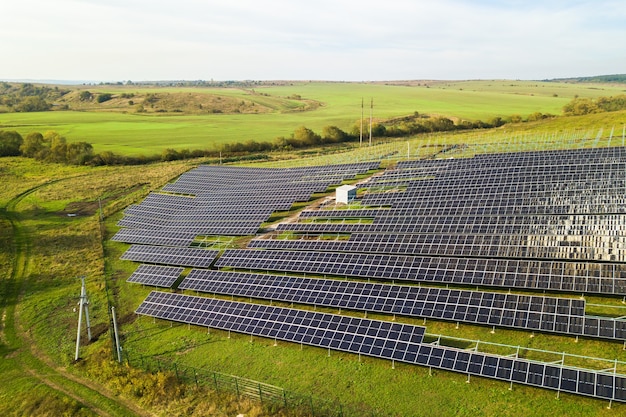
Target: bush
[
  {"x": 10, "y": 143},
  {"x": 104, "y": 97},
  {"x": 85, "y": 95}
]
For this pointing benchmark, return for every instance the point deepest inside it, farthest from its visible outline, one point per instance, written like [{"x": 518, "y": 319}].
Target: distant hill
[{"x": 615, "y": 78}]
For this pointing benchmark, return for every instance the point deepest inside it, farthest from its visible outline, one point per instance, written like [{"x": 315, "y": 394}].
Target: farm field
[
  {"x": 44, "y": 251},
  {"x": 133, "y": 133}
]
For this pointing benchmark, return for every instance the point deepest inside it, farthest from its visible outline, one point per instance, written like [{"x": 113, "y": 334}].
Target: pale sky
[{"x": 139, "y": 40}]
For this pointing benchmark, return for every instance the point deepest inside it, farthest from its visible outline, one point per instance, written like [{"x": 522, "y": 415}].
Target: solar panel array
[
  {"x": 383, "y": 339},
  {"x": 217, "y": 200},
  {"x": 534, "y": 221},
  {"x": 583, "y": 181}
]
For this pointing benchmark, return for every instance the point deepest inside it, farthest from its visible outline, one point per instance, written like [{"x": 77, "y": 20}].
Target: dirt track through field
[{"x": 24, "y": 352}]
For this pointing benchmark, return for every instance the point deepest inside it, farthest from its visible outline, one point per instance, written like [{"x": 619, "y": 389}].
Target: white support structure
[
  {"x": 83, "y": 304},
  {"x": 118, "y": 347}
]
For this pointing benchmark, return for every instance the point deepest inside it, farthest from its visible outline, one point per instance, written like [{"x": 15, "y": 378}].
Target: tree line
[
  {"x": 52, "y": 147},
  {"x": 27, "y": 97},
  {"x": 581, "y": 106}
]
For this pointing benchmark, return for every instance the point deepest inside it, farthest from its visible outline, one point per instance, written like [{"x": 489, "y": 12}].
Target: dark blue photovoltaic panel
[
  {"x": 496, "y": 309},
  {"x": 156, "y": 275},
  {"x": 155, "y": 237},
  {"x": 370, "y": 337},
  {"x": 376, "y": 338},
  {"x": 194, "y": 257},
  {"x": 585, "y": 277}
]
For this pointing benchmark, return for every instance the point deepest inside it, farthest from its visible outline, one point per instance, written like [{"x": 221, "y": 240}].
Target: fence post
[
  {"x": 237, "y": 386},
  {"x": 176, "y": 371},
  {"x": 215, "y": 380},
  {"x": 260, "y": 394}
]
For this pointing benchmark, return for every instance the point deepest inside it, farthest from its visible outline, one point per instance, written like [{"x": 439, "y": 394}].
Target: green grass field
[
  {"x": 139, "y": 133},
  {"x": 43, "y": 252}
]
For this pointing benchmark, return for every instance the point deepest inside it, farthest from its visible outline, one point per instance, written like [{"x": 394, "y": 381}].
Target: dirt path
[{"x": 25, "y": 354}]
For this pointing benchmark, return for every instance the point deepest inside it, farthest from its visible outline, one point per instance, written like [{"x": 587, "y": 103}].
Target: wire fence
[{"x": 271, "y": 397}]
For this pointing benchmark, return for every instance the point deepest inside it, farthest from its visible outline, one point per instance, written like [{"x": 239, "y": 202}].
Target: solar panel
[
  {"x": 156, "y": 275},
  {"x": 154, "y": 237},
  {"x": 588, "y": 248},
  {"x": 393, "y": 341},
  {"x": 350, "y": 334},
  {"x": 581, "y": 277},
  {"x": 194, "y": 257},
  {"x": 478, "y": 307}
]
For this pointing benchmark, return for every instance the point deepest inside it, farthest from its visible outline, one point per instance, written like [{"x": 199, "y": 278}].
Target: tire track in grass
[{"x": 24, "y": 353}]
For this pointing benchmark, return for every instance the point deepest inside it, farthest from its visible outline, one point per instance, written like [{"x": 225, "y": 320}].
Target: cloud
[{"x": 339, "y": 40}]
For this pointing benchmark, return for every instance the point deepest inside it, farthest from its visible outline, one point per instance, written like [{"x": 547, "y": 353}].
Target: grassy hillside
[
  {"x": 43, "y": 252},
  {"x": 268, "y": 112}
]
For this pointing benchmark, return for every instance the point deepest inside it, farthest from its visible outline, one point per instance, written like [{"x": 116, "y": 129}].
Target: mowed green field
[
  {"x": 146, "y": 134},
  {"x": 50, "y": 249}
]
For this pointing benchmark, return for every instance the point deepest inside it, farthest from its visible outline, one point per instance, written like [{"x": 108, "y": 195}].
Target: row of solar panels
[
  {"x": 600, "y": 222},
  {"x": 247, "y": 180},
  {"x": 608, "y": 248},
  {"x": 502, "y": 175},
  {"x": 543, "y": 157},
  {"x": 226, "y": 210},
  {"x": 382, "y": 339},
  {"x": 579, "y": 277},
  {"x": 487, "y": 207},
  {"x": 548, "y": 314}
]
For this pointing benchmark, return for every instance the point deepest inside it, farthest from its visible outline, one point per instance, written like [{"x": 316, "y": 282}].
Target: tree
[
  {"x": 496, "y": 121},
  {"x": 85, "y": 95},
  {"x": 32, "y": 104},
  {"x": 10, "y": 142},
  {"x": 58, "y": 147},
  {"x": 579, "y": 107},
  {"x": 79, "y": 153},
  {"x": 332, "y": 134},
  {"x": 533, "y": 117},
  {"x": 104, "y": 97},
  {"x": 33, "y": 145},
  {"x": 378, "y": 130},
  {"x": 170, "y": 155},
  {"x": 306, "y": 137}
]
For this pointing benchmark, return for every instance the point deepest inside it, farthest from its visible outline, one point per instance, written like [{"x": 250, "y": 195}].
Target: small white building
[{"x": 345, "y": 194}]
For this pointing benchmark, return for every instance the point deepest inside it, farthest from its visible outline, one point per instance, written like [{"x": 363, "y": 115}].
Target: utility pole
[
  {"x": 371, "y": 111},
  {"x": 83, "y": 304},
  {"x": 361, "y": 137}
]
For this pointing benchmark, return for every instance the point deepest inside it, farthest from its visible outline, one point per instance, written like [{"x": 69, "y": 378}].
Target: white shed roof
[{"x": 346, "y": 187}]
